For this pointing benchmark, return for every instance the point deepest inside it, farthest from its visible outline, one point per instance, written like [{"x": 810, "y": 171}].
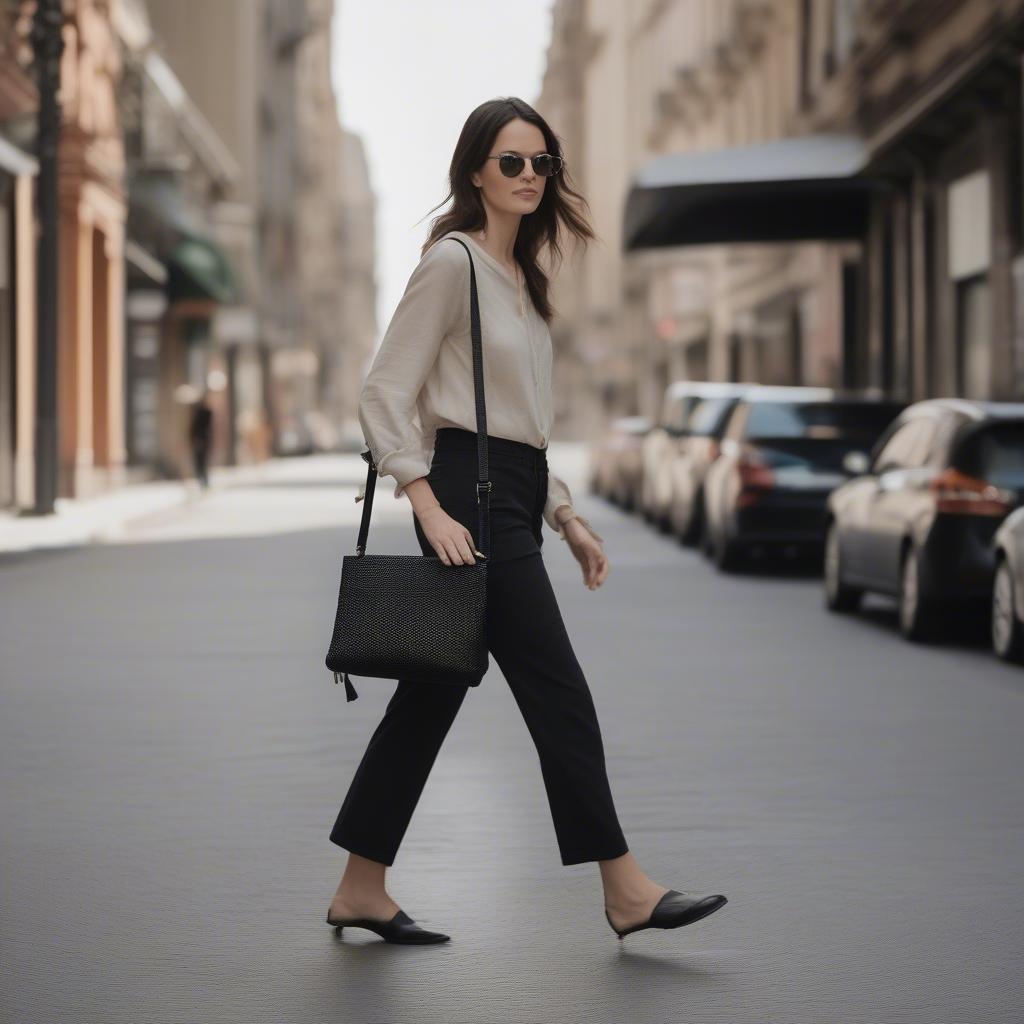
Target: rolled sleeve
[
  {"x": 558, "y": 509},
  {"x": 435, "y": 298},
  {"x": 405, "y": 465}
]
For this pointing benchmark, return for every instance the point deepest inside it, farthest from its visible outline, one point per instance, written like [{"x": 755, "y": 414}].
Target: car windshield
[
  {"x": 828, "y": 420},
  {"x": 995, "y": 453},
  {"x": 706, "y": 419}
]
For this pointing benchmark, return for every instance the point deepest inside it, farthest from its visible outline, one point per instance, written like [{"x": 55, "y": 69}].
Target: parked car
[
  {"x": 1008, "y": 588},
  {"x": 920, "y": 522},
  {"x": 701, "y": 447},
  {"x": 615, "y": 461},
  {"x": 667, "y": 440},
  {"x": 783, "y": 451}
]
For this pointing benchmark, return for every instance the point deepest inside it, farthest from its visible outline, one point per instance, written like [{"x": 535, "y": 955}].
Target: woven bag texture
[{"x": 411, "y": 617}]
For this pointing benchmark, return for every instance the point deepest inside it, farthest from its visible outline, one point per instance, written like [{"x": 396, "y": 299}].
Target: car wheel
[
  {"x": 917, "y": 615},
  {"x": 1007, "y": 641},
  {"x": 839, "y": 596}
]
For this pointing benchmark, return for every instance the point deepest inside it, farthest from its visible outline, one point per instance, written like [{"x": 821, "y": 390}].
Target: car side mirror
[{"x": 856, "y": 463}]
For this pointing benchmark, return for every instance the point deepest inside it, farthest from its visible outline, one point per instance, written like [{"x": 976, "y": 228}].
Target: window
[
  {"x": 970, "y": 227},
  {"x": 845, "y": 14},
  {"x": 974, "y": 337},
  {"x": 968, "y": 262},
  {"x": 995, "y": 453},
  {"x": 708, "y": 416},
  {"x": 908, "y": 447},
  {"x": 806, "y": 80},
  {"x": 820, "y": 419}
]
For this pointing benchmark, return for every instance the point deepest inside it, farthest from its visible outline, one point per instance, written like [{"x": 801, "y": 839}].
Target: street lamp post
[{"x": 48, "y": 45}]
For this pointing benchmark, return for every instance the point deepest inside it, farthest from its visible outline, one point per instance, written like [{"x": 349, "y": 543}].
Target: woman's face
[{"x": 507, "y": 194}]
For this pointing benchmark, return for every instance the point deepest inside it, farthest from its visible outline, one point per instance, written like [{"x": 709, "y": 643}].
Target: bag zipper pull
[{"x": 350, "y": 690}]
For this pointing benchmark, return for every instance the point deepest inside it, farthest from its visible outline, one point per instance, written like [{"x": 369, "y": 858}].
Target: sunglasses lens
[
  {"x": 545, "y": 164},
  {"x": 510, "y": 164}
]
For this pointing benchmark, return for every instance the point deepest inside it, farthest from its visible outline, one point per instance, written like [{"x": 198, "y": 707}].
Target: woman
[{"x": 509, "y": 203}]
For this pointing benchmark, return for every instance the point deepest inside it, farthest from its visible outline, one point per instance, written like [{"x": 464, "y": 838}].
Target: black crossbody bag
[{"x": 411, "y": 616}]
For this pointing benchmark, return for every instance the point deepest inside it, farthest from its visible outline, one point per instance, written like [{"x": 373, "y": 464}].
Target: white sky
[{"x": 407, "y": 73}]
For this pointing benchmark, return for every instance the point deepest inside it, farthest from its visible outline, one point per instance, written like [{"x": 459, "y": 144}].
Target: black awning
[{"x": 789, "y": 190}]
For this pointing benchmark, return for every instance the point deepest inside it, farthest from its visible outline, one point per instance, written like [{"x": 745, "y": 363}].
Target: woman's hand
[
  {"x": 588, "y": 552},
  {"x": 448, "y": 537}
]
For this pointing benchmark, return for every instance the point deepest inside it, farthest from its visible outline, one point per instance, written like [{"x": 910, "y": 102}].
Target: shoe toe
[
  {"x": 409, "y": 931},
  {"x": 417, "y": 934},
  {"x": 678, "y": 908}
]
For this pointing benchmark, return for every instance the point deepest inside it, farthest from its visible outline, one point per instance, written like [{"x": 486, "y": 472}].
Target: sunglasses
[{"x": 544, "y": 164}]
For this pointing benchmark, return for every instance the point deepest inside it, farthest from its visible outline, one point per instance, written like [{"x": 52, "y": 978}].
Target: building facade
[
  {"x": 940, "y": 114},
  {"x": 89, "y": 302},
  {"x": 296, "y": 218},
  {"x": 656, "y": 78},
  {"x": 921, "y": 299},
  {"x": 353, "y": 337},
  {"x": 18, "y": 168},
  {"x": 215, "y": 235},
  {"x": 211, "y": 336}
]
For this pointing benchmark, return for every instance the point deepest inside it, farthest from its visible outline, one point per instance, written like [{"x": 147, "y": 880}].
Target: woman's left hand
[{"x": 588, "y": 552}]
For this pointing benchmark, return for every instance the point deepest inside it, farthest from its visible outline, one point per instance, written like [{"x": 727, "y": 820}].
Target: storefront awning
[
  {"x": 798, "y": 189},
  {"x": 199, "y": 269},
  {"x": 172, "y": 230}
]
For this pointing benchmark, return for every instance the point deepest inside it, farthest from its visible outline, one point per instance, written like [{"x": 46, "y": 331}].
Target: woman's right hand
[{"x": 448, "y": 537}]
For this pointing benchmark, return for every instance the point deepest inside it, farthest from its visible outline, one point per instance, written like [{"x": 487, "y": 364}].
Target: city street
[{"x": 174, "y": 752}]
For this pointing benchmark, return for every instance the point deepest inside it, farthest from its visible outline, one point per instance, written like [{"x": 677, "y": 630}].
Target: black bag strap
[{"x": 483, "y": 484}]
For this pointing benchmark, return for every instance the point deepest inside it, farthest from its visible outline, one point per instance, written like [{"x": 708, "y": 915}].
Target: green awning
[{"x": 199, "y": 269}]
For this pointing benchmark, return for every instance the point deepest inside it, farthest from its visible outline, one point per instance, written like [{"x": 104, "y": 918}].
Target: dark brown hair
[{"x": 559, "y": 207}]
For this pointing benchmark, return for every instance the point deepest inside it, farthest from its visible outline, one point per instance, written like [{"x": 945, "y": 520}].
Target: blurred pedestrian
[
  {"x": 200, "y": 431},
  {"x": 510, "y": 203}
]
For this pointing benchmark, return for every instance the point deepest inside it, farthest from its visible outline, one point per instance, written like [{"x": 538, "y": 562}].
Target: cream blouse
[{"x": 422, "y": 375}]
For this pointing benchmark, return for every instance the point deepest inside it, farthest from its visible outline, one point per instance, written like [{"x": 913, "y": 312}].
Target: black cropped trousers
[{"x": 527, "y": 638}]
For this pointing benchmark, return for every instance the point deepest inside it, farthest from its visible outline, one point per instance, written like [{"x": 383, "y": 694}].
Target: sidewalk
[
  {"x": 109, "y": 516},
  {"x": 104, "y": 516}
]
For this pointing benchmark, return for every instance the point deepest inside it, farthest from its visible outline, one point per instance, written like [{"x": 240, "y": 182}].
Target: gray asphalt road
[{"x": 174, "y": 752}]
